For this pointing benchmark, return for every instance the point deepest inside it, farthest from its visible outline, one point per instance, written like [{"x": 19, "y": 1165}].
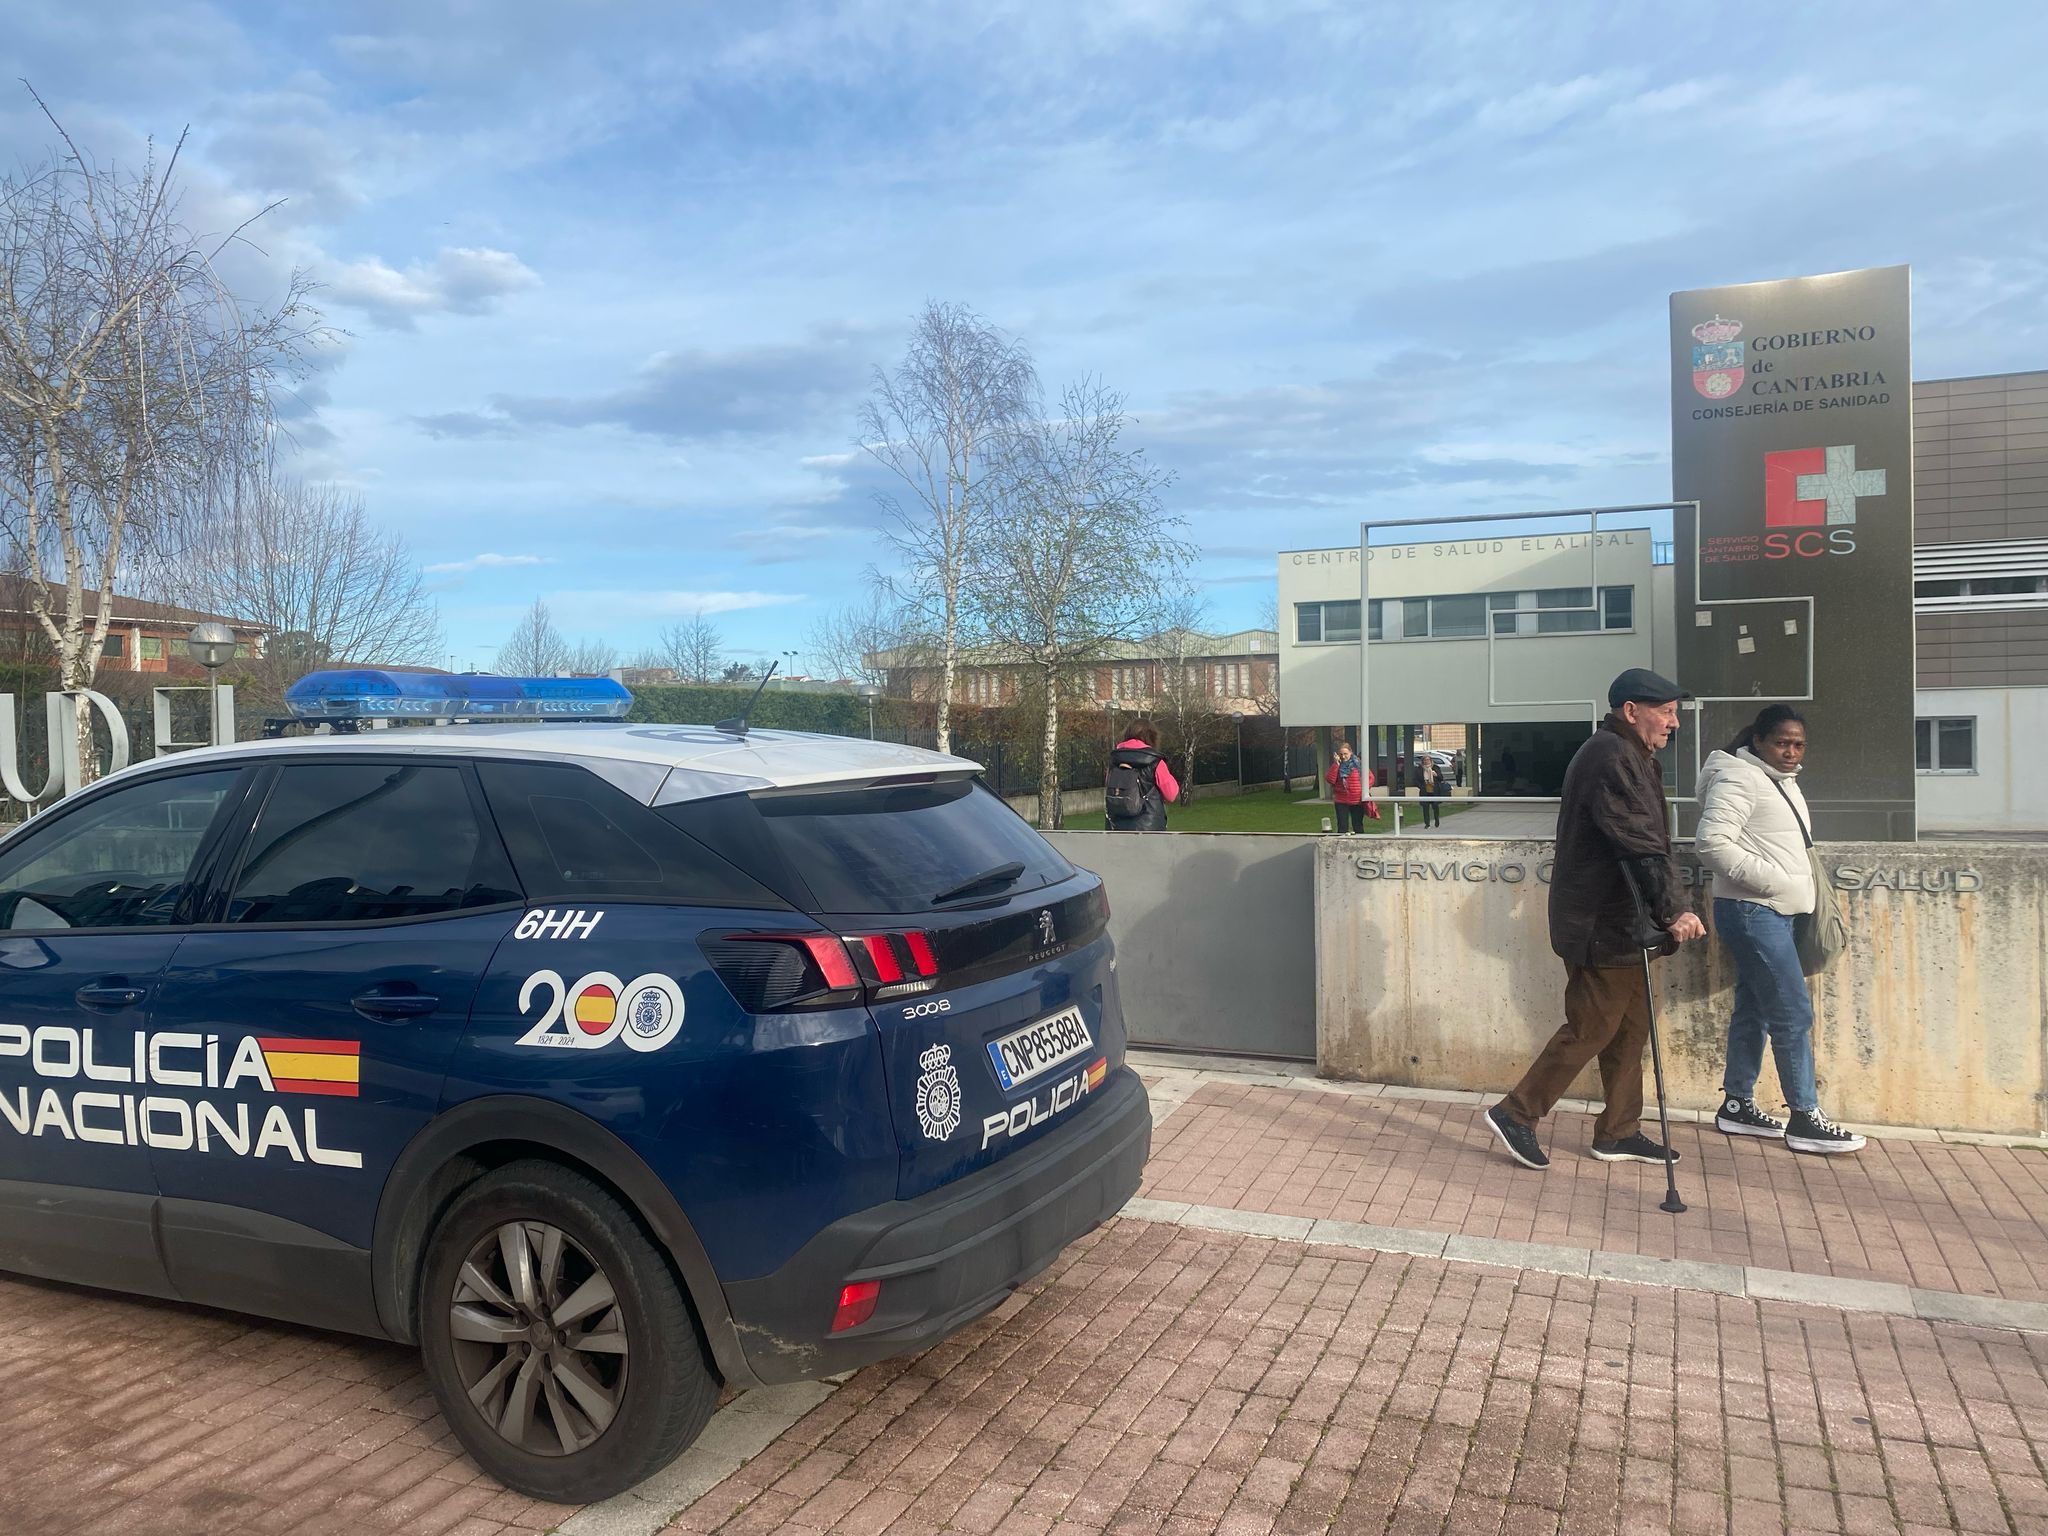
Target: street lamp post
[
  {"x": 870, "y": 692},
  {"x": 213, "y": 646},
  {"x": 1239, "y": 719}
]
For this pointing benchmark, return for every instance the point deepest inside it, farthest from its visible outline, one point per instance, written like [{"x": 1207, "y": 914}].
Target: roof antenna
[{"x": 737, "y": 725}]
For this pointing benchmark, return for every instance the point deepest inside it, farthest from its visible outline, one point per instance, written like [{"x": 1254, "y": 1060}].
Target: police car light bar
[{"x": 368, "y": 693}]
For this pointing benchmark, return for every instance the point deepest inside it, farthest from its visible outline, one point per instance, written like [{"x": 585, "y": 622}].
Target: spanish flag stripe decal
[
  {"x": 313, "y": 1066},
  {"x": 327, "y": 1069}
]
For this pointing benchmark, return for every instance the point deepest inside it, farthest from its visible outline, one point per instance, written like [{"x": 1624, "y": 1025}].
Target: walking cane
[{"x": 1645, "y": 926}]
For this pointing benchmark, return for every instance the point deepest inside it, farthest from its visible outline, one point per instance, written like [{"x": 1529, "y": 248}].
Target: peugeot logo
[{"x": 1047, "y": 934}]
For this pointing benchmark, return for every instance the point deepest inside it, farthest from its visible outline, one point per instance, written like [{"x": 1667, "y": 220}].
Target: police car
[{"x": 605, "y": 1062}]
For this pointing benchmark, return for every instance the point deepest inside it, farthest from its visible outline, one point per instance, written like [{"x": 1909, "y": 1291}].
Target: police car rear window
[
  {"x": 573, "y": 837},
  {"x": 899, "y": 848}
]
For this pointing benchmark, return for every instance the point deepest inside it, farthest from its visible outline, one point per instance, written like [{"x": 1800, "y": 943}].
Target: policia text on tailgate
[{"x": 605, "y": 1062}]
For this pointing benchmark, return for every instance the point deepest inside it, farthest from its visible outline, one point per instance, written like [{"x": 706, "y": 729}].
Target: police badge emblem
[
  {"x": 938, "y": 1094},
  {"x": 1717, "y": 361}
]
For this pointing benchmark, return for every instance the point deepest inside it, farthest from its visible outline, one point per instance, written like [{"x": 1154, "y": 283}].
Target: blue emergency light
[{"x": 369, "y": 693}]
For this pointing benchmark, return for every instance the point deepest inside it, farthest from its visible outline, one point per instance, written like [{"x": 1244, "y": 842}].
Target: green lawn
[{"x": 1274, "y": 810}]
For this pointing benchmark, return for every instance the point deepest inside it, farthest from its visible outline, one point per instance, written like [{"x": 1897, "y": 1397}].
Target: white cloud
[
  {"x": 461, "y": 280},
  {"x": 486, "y": 561}
]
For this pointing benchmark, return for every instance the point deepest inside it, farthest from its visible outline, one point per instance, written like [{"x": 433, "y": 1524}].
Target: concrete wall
[
  {"x": 1215, "y": 936},
  {"x": 1436, "y": 970},
  {"x": 2008, "y": 791}
]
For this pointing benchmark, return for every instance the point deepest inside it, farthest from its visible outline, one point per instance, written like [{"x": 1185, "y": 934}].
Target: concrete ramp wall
[
  {"x": 1434, "y": 969},
  {"x": 1215, "y": 936}
]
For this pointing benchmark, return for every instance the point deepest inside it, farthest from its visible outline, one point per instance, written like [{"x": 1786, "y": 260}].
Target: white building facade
[{"x": 1514, "y": 638}]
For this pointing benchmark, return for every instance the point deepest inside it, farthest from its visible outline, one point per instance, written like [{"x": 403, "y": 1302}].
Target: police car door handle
[
  {"x": 394, "y": 1007},
  {"x": 109, "y": 996}
]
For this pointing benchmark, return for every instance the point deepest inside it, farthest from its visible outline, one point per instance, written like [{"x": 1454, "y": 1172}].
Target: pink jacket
[{"x": 1169, "y": 786}]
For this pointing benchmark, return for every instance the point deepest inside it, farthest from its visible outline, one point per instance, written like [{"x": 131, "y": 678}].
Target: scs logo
[{"x": 1810, "y": 497}]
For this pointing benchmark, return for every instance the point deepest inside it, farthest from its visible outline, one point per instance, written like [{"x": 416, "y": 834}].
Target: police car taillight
[
  {"x": 782, "y": 972},
  {"x": 372, "y": 693},
  {"x": 895, "y": 964},
  {"x": 856, "y": 1304}
]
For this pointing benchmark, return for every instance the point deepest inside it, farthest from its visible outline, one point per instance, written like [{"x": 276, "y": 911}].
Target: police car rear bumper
[{"x": 946, "y": 1257}]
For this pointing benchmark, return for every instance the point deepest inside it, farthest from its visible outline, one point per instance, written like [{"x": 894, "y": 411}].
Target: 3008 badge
[{"x": 646, "y": 1012}]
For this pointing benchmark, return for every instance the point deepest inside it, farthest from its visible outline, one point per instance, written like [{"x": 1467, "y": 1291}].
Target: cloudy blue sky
[{"x": 612, "y": 277}]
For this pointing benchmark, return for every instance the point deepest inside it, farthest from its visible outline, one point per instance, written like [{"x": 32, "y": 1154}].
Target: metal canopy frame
[{"x": 1593, "y": 515}]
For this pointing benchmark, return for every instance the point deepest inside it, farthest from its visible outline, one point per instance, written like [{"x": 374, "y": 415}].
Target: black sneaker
[
  {"x": 1741, "y": 1117},
  {"x": 1633, "y": 1149},
  {"x": 1812, "y": 1131},
  {"x": 1517, "y": 1138}
]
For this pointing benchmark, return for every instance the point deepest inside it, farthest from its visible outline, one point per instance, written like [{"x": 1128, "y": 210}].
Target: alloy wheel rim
[{"x": 539, "y": 1338}]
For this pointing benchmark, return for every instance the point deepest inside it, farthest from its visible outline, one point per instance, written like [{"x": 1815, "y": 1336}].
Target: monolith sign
[{"x": 1792, "y": 427}]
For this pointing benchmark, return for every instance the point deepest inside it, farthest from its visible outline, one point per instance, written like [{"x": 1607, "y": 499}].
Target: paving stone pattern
[
  {"x": 1160, "y": 1379},
  {"x": 152, "y": 1419},
  {"x": 1922, "y": 1213}
]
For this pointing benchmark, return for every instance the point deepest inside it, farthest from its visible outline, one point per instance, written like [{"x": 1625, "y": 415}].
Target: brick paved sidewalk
[
  {"x": 1923, "y": 1213},
  {"x": 154, "y": 1419},
  {"x": 1165, "y": 1380}
]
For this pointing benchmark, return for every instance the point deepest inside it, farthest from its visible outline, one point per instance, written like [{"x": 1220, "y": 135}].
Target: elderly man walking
[{"x": 1612, "y": 842}]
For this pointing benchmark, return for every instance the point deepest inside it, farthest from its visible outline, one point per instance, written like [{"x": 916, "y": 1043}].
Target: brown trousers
[{"x": 1606, "y": 1015}]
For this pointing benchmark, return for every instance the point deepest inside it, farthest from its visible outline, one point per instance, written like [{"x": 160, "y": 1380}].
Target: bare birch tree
[
  {"x": 938, "y": 423},
  {"x": 130, "y": 376},
  {"x": 535, "y": 648},
  {"x": 306, "y": 563},
  {"x": 1078, "y": 557},
  {"x": 694, "y": 648}
]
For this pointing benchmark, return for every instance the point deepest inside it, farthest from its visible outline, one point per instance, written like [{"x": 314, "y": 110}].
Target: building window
[
  {"x": 1617, "y": 607},
  {"x": 115, "y": 648},
  {"x": 1945, "y": 744},
  {"x": 1983, "y": 586},
  {"x": 1326, "y": 623},
  {"x": 152, "y": 648},
  {"x": 1452, "y": 618},
  {"x": 1562, "y": 610}
]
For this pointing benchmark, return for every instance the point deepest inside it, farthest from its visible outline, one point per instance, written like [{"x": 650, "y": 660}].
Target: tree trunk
[{"x": 1049, "y": 760}]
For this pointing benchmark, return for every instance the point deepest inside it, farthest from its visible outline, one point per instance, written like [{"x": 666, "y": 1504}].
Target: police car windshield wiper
[{"x": 1000, "y": 876}]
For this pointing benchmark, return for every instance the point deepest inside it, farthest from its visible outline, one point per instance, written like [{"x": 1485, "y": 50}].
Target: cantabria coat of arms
[{"x": 1717, "y": 363}]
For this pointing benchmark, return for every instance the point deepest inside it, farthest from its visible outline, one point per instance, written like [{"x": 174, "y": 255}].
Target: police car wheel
[{"x": 562, "y": 1351}]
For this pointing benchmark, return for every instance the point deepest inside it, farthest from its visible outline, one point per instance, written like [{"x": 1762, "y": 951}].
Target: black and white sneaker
[
  {"x": 1633, "y": 1149},
  {"x": 1812, "y": 1131},
  {"x": 1741, "y": 1117},
  {"x": 1517, "y": 1138}
]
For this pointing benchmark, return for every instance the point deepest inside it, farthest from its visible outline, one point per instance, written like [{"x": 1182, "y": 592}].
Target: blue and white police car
[{"x": 605, "y": 1062}]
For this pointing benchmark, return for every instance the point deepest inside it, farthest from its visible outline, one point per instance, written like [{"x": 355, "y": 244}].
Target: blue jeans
[{"x": 1770, "y": 999}]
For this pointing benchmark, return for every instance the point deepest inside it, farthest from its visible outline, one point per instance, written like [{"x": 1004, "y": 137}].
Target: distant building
[
  {"x": 1980, "y": 601},
  {"x": 1238, "y": 673},
  {"x": 141, "y": 636}
]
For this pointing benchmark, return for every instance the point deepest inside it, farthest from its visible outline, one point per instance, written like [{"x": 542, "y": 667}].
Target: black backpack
[{"x": 1124, "y": 794}]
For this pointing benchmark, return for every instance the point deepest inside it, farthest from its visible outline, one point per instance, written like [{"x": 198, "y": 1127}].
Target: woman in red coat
[{"x": 1349, "y": 780}]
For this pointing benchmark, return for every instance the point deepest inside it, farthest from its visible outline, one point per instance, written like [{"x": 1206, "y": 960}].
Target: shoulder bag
[{"x": 1822, "y": 933}]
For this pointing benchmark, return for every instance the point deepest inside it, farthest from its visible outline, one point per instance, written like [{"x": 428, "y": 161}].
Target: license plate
[{"x": 1037, "y": 1048}]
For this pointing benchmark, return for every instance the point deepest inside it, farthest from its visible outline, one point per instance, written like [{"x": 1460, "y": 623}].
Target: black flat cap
[{"x": 1642, "y": 686}]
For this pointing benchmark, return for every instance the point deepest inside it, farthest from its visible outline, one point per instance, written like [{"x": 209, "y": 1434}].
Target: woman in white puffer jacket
[{"x": 1753, "y": 835}]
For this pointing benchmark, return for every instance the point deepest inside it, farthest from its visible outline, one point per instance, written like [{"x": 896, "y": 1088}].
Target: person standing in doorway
[
  {"x": 1458, "y": 767},
  {"x": 1753, "y": 835},
  {"x": 1432, "y": 792},
  {"x": 1349, "y": 781},
  {"x": 1139, "y": 785},
  {"x": 1507, "y": 771},
  {"x": 1613, "y": 849}
]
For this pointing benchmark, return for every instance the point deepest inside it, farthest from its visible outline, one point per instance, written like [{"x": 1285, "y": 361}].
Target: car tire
[{"x": 557, "y": 1340}]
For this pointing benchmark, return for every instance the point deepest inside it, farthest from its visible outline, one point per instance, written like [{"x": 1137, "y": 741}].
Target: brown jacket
[{"x": 1613, "y": 811}]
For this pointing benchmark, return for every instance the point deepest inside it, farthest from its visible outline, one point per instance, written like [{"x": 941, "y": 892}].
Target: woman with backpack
[
  {"x": 1432, "y": 792},
  {"x": 1754, "y": 834},
  {"x": 1140, "y": 784}
]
